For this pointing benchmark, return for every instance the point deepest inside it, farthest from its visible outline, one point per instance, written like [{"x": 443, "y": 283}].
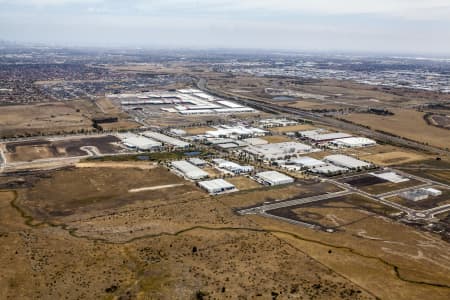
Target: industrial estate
[{"x": 175, "y": 178}]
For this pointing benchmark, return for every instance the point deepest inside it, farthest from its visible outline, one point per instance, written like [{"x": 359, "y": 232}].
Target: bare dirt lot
[
  {"x": 373, "y": 185},
  {"x": 46, "y": 118},
  {"x": 401, "y": 124},
  {"x": 292, "y": 128},
  {"x": 243, "y": 183},
  {"x": 42, "y": 149}
]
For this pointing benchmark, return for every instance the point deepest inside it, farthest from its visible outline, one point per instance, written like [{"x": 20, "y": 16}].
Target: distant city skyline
[{"x": 395, "y": 26}]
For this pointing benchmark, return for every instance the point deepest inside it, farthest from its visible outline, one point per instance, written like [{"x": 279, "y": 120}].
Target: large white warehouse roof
[
  {"x": 189, "y": 170},
  {"x": 355, "y": 142},
  {"x": 307, "y": 162},
  {"x": 328, "y": 136},
  {"x": 279, "y": 150},
  {"x": 166, "y": 139},
  {"x": 274, "y": 178},
  {"x": 140, "y": 142},
  {"x": 217, "y": 186},
  {"x": 347, "y": 161}
]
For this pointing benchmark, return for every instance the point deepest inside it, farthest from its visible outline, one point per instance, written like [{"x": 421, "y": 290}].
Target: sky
[{"x": 384, "y": 26}]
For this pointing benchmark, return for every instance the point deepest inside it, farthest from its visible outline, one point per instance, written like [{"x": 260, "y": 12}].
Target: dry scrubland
[
  {"x": 102, "y": 242},
  {"x": 405, "y": 123},
  {"x": 56, "y": 117}
]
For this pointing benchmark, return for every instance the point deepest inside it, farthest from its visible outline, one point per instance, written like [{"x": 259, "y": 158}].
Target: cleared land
[
  {"x": 373, "y": 185},
  {"x": 46, "y": 118},
  {"x": 42, "y": 149},
  {"x": 276, "y": 139},
  {"x": 244, "y": 183},
  {"x": 292, "y": 128},
  {"x": 402, "y": 123}
]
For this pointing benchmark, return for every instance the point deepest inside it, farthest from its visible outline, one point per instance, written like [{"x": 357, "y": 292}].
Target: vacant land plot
[
  {"x": 292, "y": 128},
  {"x": 46, "y": 118},
  {"x": 373, "y": 185},
  {"x": 335, "y": 213},
  {"x": 392, "y": 158},
  {"x": 42, "y": 149},
  {"x": 276, "y": 139},
  {"x": 88, "y": 189},
  {"x": 438, "y": 170},
  {"x": 405, "y": 123},
  {"x": 198, "y": 130},
  {"x": 244, "y": 183}
]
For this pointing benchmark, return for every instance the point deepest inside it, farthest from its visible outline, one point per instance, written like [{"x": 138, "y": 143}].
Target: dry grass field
[
  {"x": 243, "y": 183},
  {"x": 198, "y": 130},
  {"x": 43, "y": 149},
  {"x": 405, "y": 123},
  {"x": 272, "y": 139},
  {"x": 292, "y": 128},
  {"x": 393, "y": 158},
  {"x": 46, "y": 118},
  {"x": 99, "y": 242}
]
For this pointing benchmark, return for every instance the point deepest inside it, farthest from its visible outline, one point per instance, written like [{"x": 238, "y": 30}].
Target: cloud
[{"x": 409, "y": 9}]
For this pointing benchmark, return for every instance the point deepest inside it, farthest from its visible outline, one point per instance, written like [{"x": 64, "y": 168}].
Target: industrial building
[
  {"x": 255, "y": 141},
  {"x": 270, "y": 123},
  {"x": 232, "y": 166},
  {"x": 354, "y": 142},
  {"x": 198, "y": 162},
  {"x": 236, "y": 132},
  {"x": 329, "y": 170},
  {"x": 433, "y": 192},
  {"x": 139, "y": 143},
  {"x": 347, "y": 162},
  {"x": 279, "y": 150},
  {"x": 189, "y": 170},
  {"x": 166, "y": 140},
  {"x": 327, "y": 137},
  {"x": 307, "y": 162},
  {"x": 274, "y": 178},
  {"x": 420, "y": 194},
  {"x": 217, "y": 186},
  {"x": 391, "y": 177}
]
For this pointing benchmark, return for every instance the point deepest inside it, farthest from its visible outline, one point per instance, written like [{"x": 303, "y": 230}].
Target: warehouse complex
[
  {"x": 232, "y": 166},
  {"x": 184, "y": 101},
  {"x": 279, "y": 150},
  {"x": 166, "y": 140},
  {"x": 139, "y": 143}
]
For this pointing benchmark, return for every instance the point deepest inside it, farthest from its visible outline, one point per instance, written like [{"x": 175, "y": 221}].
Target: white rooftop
[
  {"x": 346, "y": 161},
  {"x": 274, "y": 177},
  {"x": 329, "y": 136},
  {"x": 355, "y": 142},
  {"x": 391, "y": 177},
  {"x": 279, "y": 150},
  {"x": 307, "y": 162}
]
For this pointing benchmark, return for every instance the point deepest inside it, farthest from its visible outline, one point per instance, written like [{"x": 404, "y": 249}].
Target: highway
[{"x": 321, "y": 119}]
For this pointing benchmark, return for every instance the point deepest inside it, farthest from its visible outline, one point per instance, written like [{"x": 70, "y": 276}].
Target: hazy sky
[{"x": 397, "y": 26}]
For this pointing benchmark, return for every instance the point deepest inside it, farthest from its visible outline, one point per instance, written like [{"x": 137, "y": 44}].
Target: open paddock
[
  {"x": 336, "y": 212},
  {"x": 45, "y": 149},
  {"x": 86, "y": 190}
]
